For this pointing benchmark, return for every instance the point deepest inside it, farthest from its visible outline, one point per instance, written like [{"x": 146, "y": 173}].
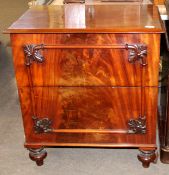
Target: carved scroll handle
[
  {"x": 32, "y": 53},
  {"x": 137, "y": 52},
  {"x": 42, "y": 125},
  {"x": 137, "y": 126}
]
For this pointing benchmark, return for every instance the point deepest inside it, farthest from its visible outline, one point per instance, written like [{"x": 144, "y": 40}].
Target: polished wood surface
[
  {"x": 80, "y": 66},
  {"x": 89, "y": 18},
  {"x": 88, "y": 80},
  {"x": 71, "y": 107},
  {"x": 94, "y": 108}
]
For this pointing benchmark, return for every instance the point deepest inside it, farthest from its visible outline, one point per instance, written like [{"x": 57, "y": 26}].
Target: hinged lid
[{"x": 80, "y": 18}]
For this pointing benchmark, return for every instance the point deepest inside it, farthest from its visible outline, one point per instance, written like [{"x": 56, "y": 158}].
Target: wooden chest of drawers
[{"x": 88, "y": 81}]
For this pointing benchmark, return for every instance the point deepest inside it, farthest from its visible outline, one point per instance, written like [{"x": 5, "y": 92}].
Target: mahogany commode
[{"x": 90, "y": 81}]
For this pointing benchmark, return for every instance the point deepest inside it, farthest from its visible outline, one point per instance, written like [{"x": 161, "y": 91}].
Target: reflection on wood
[
  {"x": 98, "y": 19},
  {"x": 84, "y": 66},
  {"x": 118, "y": 105},
  {"x": 88, "y": 108},
  {"x": 75, "y": 17}
]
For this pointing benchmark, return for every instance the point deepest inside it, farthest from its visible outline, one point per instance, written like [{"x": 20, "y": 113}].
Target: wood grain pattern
[
  {"x": 86, "y": 67},
  {"x": 111, "y": 114},
  {"x": 89, "y": 19},
  {"x": 88, "y": 108},
  {"x": 86, "y": 88}
]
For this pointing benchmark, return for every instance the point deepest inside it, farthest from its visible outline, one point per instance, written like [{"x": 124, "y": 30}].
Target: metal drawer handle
[{"x": 137, "y": 52}]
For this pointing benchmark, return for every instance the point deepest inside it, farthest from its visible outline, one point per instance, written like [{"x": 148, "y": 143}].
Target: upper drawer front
[{"x": 86, "y": 59}]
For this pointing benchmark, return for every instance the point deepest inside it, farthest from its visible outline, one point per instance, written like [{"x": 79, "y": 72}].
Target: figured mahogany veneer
[
  {"x": 80, "y": 66},
  {"x": 70, "y": 110},
  {"x": 90, "y": 81}
]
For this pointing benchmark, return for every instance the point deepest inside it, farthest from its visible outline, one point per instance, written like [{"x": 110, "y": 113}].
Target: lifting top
[{"x": 80, "y": 18}]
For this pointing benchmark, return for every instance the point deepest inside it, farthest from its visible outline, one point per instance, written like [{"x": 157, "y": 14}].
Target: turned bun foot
[
  {"x": 37, "y": 155},
  {"x": 147, "y": 157}
]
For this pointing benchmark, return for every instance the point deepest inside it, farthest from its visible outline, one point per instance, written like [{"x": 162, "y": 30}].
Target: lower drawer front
[{"x": 90, "y": 115}]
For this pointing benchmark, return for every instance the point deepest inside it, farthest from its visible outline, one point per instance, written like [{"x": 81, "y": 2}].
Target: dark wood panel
[
  {"x": 98, "y": 108},
  {"x": 88, "y": 108},
  {"x": 92, "y": 18},
  {"x": 91, "y": 67},
  {"x": 81, "y": 67}
]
